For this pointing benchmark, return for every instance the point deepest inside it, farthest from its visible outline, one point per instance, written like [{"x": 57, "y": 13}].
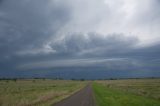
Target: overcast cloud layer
[{"x": 80, "y": 38}]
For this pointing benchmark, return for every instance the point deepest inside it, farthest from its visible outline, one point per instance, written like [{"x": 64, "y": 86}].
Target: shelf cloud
[{"x": 118, "y": 38}]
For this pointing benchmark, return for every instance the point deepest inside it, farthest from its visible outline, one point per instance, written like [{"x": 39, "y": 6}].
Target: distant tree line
[{"x": 73, "y": 79}]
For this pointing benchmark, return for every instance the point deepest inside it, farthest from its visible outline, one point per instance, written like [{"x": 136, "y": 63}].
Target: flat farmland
[
  {"x": 131, "y": 92},
  {"x": 45, "y": 92},
  {"x": 36, "y": 92}
]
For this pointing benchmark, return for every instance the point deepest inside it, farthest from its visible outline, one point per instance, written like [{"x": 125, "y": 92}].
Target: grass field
[
  {"x": 140, "y": 92},
  {"x": 36, "y": 92},
  {"x": 40, "y": 92}
]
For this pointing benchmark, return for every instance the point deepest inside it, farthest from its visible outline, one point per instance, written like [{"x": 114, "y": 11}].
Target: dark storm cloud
[
  {"x": 92, "y": 51},
  {"x": 28, "y": 24},
  {"x": 53, "y": 35},
  {"x": 94, "y": 44}
]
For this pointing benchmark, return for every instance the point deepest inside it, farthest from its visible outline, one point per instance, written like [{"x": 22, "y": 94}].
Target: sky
[{"x": 90, "y": 39}]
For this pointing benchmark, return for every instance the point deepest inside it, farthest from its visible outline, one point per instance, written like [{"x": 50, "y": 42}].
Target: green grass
[
  {"x": 107, "y": 96},
  {"x": 36, "y": 92},
  {"x": 149, "y": 88}
]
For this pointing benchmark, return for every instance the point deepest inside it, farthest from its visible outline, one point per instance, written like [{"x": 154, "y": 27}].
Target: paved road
[{"x": 82, "y": 98}]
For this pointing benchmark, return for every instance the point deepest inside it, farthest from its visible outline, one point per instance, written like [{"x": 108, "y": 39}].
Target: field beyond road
[
  {"x": 141, "y": 92},
  {"x": 37, "y": 92}
]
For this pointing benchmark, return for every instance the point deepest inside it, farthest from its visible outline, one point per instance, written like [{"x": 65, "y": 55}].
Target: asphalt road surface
[{"x": 83, "y": 97}]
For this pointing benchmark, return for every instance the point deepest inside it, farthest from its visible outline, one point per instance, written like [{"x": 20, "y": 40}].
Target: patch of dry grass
[{"x": 36, "y": 92}]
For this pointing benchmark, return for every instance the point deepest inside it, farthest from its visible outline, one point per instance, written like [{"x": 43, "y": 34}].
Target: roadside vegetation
[
  {"x": 36, "y": 92},
  {"x": 140, "y": 92},
  {"x": 45, "y": 92}
]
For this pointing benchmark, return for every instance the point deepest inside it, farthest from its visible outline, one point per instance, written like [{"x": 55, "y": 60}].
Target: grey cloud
[
  {"x": 74, "y": 63},
  {"x": 94, "y": 44},
  {"x": 93, "y": 50},
  {"x": 102, "y": 36},
  {"x": 26, "y": 24}
]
